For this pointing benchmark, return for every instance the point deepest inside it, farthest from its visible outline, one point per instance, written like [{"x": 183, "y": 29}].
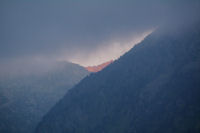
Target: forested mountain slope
[{"x": 154, "y": 88}]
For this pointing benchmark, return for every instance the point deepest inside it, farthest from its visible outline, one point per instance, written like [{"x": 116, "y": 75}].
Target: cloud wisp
[
  {"x": 112, "y": 50},
  {"x": 87, "y": 32}
]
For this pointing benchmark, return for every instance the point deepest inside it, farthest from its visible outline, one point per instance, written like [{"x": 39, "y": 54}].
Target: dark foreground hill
[
  {"x": 25, "y": 98},
  {"x": 154, "y": 88}
]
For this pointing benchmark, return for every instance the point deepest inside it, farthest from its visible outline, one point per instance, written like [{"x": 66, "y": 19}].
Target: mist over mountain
[
  {"x": 29, "y": 89},
  {"x": 154, "y": 88},
  {"x": 83, "y": 32},
  {"x": 151, "y": 87}
]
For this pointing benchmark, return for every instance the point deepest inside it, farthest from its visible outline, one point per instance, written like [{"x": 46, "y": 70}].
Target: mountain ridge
[
  {"x": 99, "y": 67},
  {"x": 157, "y": 92}
]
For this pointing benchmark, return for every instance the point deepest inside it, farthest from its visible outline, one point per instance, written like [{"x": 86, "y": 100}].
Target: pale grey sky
[{"x": 83, "y": 31}]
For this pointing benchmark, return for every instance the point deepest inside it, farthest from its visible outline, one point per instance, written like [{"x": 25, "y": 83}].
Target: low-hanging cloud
[
  {"x": 58, "y": 29},
  {"x": 105, "y": 52}
]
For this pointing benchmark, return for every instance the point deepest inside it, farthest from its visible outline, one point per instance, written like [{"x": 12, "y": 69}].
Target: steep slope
[
  {"x": 25, "y": 99},
  {"x": 98, "y": 67},
  {"x": 154, "y": 88}
]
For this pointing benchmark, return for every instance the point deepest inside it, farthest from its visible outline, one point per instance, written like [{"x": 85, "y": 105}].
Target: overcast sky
[{"x": 87, "y": 32}]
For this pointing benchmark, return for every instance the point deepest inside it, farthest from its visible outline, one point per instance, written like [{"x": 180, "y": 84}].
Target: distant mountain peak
[{"x": 98, "y": 67}]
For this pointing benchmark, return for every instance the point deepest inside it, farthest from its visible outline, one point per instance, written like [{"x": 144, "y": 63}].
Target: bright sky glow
[{"x": 104, "y": 53}]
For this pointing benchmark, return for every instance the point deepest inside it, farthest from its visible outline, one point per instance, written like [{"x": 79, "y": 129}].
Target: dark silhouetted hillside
[{"x": 154, "y": 88}]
